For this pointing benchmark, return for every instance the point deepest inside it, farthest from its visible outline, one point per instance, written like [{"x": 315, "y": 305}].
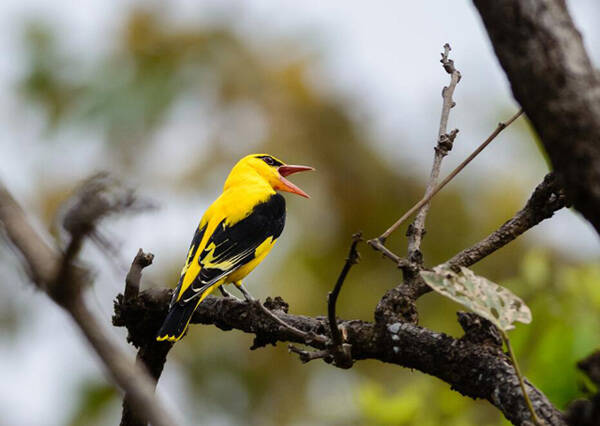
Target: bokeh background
[{"x": 168, "y": 95}]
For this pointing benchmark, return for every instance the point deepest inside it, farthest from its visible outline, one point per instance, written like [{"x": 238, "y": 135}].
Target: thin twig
[
  {"x": 352, "y": 259},
  {"x": 444, "y": 144},
  {"x": 341, "y": 352},
  {"x": 501, "y": 126},
  {"x": 377, "y": 245},
  {"x": 534, "y": 416}
]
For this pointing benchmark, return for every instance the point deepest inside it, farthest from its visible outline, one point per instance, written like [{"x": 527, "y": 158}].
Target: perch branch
[{"x": 475, "y": 370}]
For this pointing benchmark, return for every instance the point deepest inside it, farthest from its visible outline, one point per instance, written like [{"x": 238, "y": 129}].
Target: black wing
[
  {"x": 230, "y": 247},
  {"x": 198, "y": 235}
]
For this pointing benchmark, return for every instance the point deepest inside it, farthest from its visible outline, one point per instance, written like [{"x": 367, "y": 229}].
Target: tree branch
[
  {"x": 553, "y": 79},
  {"x": 53, "y": 273},
  {"x": 547, "y": 198},
  {"x": 152, "y": 356},
  {"x": 134, "y": 276},
  {"x": 501, "y": 126},
  {"x": 475, "y": 370},
  {"x": 445, "y": 141},
  {"x": 341, "y": 352}
]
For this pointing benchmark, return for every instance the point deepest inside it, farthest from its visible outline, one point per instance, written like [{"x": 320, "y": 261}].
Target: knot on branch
[
  {"x": 479, "y": 330},
  {"x": 276, "y": 303},
  {"x": 446, "y": 142},
  {"x": 397, "y": 304},
  {"x": 547, "y": 197}
]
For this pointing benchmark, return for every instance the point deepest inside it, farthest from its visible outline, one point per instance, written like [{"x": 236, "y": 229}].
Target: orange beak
[{"x": 286, "y": 185}]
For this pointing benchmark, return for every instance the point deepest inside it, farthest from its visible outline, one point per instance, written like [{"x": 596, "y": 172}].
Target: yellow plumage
[{"x": 235, "y": 234}]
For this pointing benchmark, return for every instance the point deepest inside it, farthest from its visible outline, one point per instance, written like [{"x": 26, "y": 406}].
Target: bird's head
[{"x": 272, "y": 170}]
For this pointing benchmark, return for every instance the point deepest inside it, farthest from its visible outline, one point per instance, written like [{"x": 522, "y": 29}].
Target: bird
[{"x": 235, "y": 234}]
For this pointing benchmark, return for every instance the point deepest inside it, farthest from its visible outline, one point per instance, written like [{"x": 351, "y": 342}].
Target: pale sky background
[{"x": 381, "y": 56}]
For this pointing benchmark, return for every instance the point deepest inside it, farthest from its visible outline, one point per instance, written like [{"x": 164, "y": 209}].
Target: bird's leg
[
  {"x": 245, "y": 292},
  {"x": 224, "y": 292},
  {"x": 227, "y": 294}
]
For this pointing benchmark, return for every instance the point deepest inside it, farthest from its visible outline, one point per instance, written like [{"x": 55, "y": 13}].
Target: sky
[{"x": 381, "y": 57}]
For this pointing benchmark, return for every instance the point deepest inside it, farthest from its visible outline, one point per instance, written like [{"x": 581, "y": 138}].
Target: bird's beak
[{"x": 286, "y": 185}]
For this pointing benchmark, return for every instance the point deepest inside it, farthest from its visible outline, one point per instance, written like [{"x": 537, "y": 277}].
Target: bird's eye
[{"x": 269, "y": 161}]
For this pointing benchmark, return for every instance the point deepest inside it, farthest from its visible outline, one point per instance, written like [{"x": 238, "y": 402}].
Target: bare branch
[
  {"x": 547, "y": 198},
  {"x": 341, "y": 352},
  {"x": 501, "y": 126},
  {"x": 132, "y": 281},
  {"x": 377, "y": 245},
  {"x": 444, "y": 144},
  {"x": 152, "y": 355},
  {"x": 40, "y": 259},
  {"x": 47, "y": 266}
]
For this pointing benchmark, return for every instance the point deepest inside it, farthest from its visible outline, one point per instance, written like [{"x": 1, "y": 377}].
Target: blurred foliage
[
  {"x": 94, "y": 399},
  {"x": 236, "y": 98},
  {"x": 565, "y": 301}
]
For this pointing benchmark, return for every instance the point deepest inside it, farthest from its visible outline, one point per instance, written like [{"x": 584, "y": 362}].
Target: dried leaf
[{"x": 488, "y": 299}]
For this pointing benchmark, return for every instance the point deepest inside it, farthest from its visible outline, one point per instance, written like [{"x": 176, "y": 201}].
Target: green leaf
[{"x": 485, "y": 298}]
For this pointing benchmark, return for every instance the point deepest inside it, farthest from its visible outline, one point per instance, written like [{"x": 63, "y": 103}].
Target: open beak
[{"x": 286, "y": 185}]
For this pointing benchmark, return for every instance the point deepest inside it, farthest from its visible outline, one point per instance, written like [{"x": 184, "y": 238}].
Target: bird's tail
[
  {"x": 179, "y": 316},
  {"x": 176, "y": 322}
]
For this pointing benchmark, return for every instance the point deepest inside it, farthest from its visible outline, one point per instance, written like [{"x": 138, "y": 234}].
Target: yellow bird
[{"x": 235, "y": 234}]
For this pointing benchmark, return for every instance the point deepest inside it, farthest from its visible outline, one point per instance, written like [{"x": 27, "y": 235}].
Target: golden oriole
[{"x": 235, "y": 234}]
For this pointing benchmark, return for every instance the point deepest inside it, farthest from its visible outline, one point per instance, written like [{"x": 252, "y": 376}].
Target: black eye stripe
[{"x": 270, "y": 160}]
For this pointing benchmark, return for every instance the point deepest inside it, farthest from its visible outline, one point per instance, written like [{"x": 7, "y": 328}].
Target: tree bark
[{"x": 553, "y": 79}]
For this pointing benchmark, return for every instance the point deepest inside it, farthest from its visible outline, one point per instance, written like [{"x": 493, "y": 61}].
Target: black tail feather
[{"x": 176, "y": 322}]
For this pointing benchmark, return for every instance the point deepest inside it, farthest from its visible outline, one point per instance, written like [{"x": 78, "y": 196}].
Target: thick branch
[
  {"x": 52, "y": 273},
  {"x": 547, "y": 198},
  {"x": 475, "y": 370},
  {"x": 553, "y": 79}
]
